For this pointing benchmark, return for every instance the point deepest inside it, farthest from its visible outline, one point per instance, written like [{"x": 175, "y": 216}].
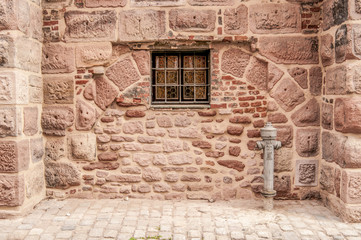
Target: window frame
[{"x": 180, "y": 102}]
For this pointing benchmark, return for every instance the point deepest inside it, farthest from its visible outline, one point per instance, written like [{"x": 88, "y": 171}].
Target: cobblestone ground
[{"x": 148, "y": 219}]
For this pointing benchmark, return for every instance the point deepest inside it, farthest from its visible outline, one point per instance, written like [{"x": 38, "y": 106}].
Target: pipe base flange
[{"x": 269, "y": 194}]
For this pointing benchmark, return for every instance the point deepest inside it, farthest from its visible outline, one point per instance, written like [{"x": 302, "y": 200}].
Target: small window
[{"x": 180, "y": 78}]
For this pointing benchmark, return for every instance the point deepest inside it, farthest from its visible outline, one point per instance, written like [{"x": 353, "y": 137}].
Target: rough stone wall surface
[{"x": 21, "y": 142}]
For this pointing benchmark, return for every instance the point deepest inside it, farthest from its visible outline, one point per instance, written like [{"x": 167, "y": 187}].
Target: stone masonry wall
[
  {"x": 105, "y": 140},
  {"x": 22, "y": 182},
  {"x": 340, "y": 174}
]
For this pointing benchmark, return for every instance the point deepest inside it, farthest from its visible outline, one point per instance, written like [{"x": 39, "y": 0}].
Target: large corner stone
[
  {"x": 105, "y": 3},
  {"x": 58, "y": 89},
  {"x": 14, "y": 156},
  {"x": 327, "y": 178},
  {"x": 14, "y": 88},
  {"x": 12, "y": 189},
  {"x": 236, "y": 20},
  {"x": 37, "y": 149},
  {"x": 31, "y": 116},
  {"x": 105, "y": 92},
  {"x": 137, "y": 25},
  {"x": 55, "y": 149},
  {"x": 347, "y": 42},
  {"x": 327, "y": 50},
  {"x": 61, "y": 175},
  {"x": 327, "y": 116},
  {"x": 289, "y": 50},
  {"x": 306, "y": 173},
  {"x": 56, "y": 119},
  {"x": 85, "y": 115},
  {"x": 307, "y": 115},
  {"x": 308, "y": 142},
  {"x": 334, "y": 12},
  {"x": 83, "y": 26},
  {"x": 82, "y": 147},
  {"x": 285, "y": 135},
  {"x": 348, "y": 115},
  {"x": 275, "y": 18},
  {"x": 257, "y": 73},
  {"x": 123, "y": 73},
  {"x": 211, "y": 2},
  {"x": 189, "y": 20},
  {"x": 157, "y": 3},
  {"x": 235, "y": 61},
  {"x": 93, "y": 54},
  {"x": 15, "y": 15},
  {"x": 336, "y": 80},
  {"x": 10, "y": 121},
  {"x": 351, "y": 187},
  {"x": 35, "y": 89},
  {"x": 34, "y": 181},
  {"x": 315, "y": 77},
  {"x": 288, "y": 95},
  {"x": 58, "y": 58}
]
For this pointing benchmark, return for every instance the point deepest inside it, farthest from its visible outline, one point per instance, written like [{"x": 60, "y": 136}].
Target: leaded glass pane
[
  {"x": 201, "y": 93},
  {"x": 188, "y": 62},
  {"x": 172, "y": 61},
  {"x": 188, "y": 92},
  {"x": 172, "y": 92},
  {"x": 188, "y": 77},
  {"x": 160, "y": 92},
  {"x": 200, "y": 61},
  {"x": 160, "y": 77},
  {"x": 160, "y": 61},
  {"x": 172, "y": 77},
  {"x": 201, "y": 77}
]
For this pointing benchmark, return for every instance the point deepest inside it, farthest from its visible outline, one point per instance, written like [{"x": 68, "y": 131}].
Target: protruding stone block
[
  {"x": 105, "y": 3},
  {"x": 15, "y": 15},
  {"x": 35, "y": 89},
  {"x": 327, "y": 178},
  {"x": 93, "y": 54},
  {"x": 83, "y": 26},
  {"x": 133, "y": 127},
  {"x": 61, "y": 175},
  {"x": 180, "y": 159},
  {"x": 123, "y": 74},
  {"x": 235, "y": 61},
  {"x": 290, "y": 50},
  {"x": 55, "y": 120},
  {"x": 58, "y": 89},
  {"x": 334, "y": 12},
  {"x": 158, "y": 3},
  {"x": 14, "y": 156},
  {"x": 137, "y": 25},
  {"x": 191, "y": 20},
  {"x": 327, "y": 116},
  {"x": 54, "y": 149},
  {"x": 12, "y": 190},
  {"x": 236, "y": 20},
  {"x": 285, "y": 135},
  {"x": 152, "y": 174},
  {"x": 234, "y": 164},
  {"x": 257, "y": 73},
  {"x": 85, "y": 115},
  {"x": 105, "y": 93},
  {"x": 315, "y": 76},
  {"x": 30, "y": 121},
  {"x": 351, "y": 187},
  {"x": 37, "y": 149},
  {"x": 10, "y": 121},
  {"x": 275, "y": 18},
  {"x": 348, "y": 115},
  {"x": 347, "y": 43},
  {"x": 82, "y": 147},
  {"x": 288, "y": 95},
  {"x": 14, "y": 88},
  {"x": 58, "y": 58},
  {"x": 283, "y": 160},
  {"x": 327, "y": 50},
  {"x": 308, "y": 142},
  {"x": 336, "y": 81},
  {"x": 34, "y": 181},
  {"x": 142, "y": 59},
  {"x": 307, "y": 115},
  {"x": 300, "y": 75},
  {"x": 306, "y": 173}
]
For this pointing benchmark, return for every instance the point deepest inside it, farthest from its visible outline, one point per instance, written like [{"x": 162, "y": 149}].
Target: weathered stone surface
[
  {"x": 214, "y": 154},
  {"x": 351, "y": 187},
  {"x": 335, "y": 12},
  {"x": 131, "y": 170},
  {"x": 61, "y": 175},
  {"x": 36, "y": 149},
  {"x": 257, "y": 73},
  {"x": 201, "y": 144},
  {"x": 12, "y": 189},
  {"x": 35, "y": 89},
  {"x": 143, "y": 159},
  {"x": 164, "y": 121},
  {"x": 275, "y": 18},
  {"x": 108, "y": 156},
  {"x": 274, "y": 75},
  {"x": 180, "y": 159},
  {"x": 307, "y": 115},
  {"x": 82, "y": 147},
  {"x": 10, "y": 121},
  {"x": 277, "y": 118},
  {"x": 347, "y": 45},
  {"x": 236, "y": 20},
  {"x": 152, "y": 174},
  {"x": 58, "y": 89},
  {"x": 307, "y": 142},
  {"x": 283, "y": 186},
  {"x": 105, "y": 3},
  {"x": 234, "y": 164},
  {"x": 135, "y": 113},
  {"x": 190, "y": 178},
  {"x": 207, "y": 113},
  {"x": 327, "y": 178},
  {"x": 234, "y": 151},
  {"x": 161, "y": 187},
  {"x": 136, "y": 25},
  {"x": 163, "y": 3},
  {"x": 235, "y": 130},
  {"x": 336, "y": 80},
  {"x": 315, "y": 76},
  {"x": 189, "y": 20},
  {"x": 327, "y": 52},
  {"x": 171, "y": 177},
  {"x": 123, "y": 74},
  {"x": 15, "y": 15},
  {"x": 211, "y": 2},
  {"x": 105, "y": 93},
  {"x": 123, "y": 178},
  {"x": 156, "y": 132},
  {"x": 133, "y": 127},
  {"x": 354, "y": 7},
  {"x": 54, "y": 149},
  {"x": 283, "y": 160},
  {"x": 30, "y": 121},
  {"x": 142, "y": 59},
  {"x": 14, "y": 88},
  {"x": 153, "y": 148},
  {"x": 55, "y": 120},
  {"x": 93, "y": 54},
  {"x": 289, "y": 50},
  {"x": 14, "y": 156},
  {"x": 34, "y": 181},
  {"x": 288, "y": 95},
  {"x": 235, "y": 61},
  {"x": 144, "y": 188},
  {"x": 189, "y": 132},
  {"x": 56, "y": 3},
  {"x": 182, "y": 121},
  {"x": 348, "y": 115},
  {"x": 58, "y": 58},
  {"x": 172, "y": 145},
  {"x": 327, "y": 116},
  {"x": 285, "y": 135},
  {"x": 300, "y": 75},
  {"x": 85, "y": 115},
  {"x": 85, "y": 26},
  {"x": 101, "y": 165}
]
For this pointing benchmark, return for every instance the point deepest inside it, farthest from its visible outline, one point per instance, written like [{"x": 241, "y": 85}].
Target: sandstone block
[
  {"x": 180, "y": 159},
  {"x": 10, "y": 121},
  {"x": 136, "y": 25},
  {"x": 58, "y": 89},
  {"x": 336, "y": 79},
  {"x": 36, "y": 150},
  {"x": 101, "y": 165},
  {"x": 347, "y": 115},
  {"x": 347, "y": 43},
  {"x": 274, "y": 75},
  {"x": 307, "y": 115},
  {"x": 153, "y": 148},
  {"x": 108, "y": 156},
  {"x": 152, "y": 174},
  {"x": 156, "y": 132},
  {"x": 105, "y": 3},
  {"x": 144, "y": 188},
  {"x": 36, "y": 23},
  {"x": 354, "y": 7},
  {"x": 143, "y": 159},
  {"x": 14, "y": 156},
  {"x": 327, "y": 116},
  {"x": 131, "y": 170},
  {"x": 300, "y": 75},
  {"x": 172, "y": 145},
  {"x": 315, "y": 76},
  {"x": 123, "y": 178},
  {"x": 34, "y": 181},
  {"x": 85, "y": 26},
  {"x": 161, "y": 187},
  {"x": 214, "y": 154},
  {"x": 211, "y": 2},
  {"x": 327, "y": 52},
  {"x": 105, "y": 93},
  {"x": 235, "y": 130},
  {"x": 285, "y": 135},
  {"x": 257, "y": 73},
  {"x": 85, "y": 115},
  {"x": 142, "y": 59},
  {"x": 288, "y": 95},
  {"x": 277, "y": 118},
  {"x": 12, "y": 190},
  {"x": 82, "y": 147},
  {"x": 351, "y": 187},
  {"x": 15, "y": 15},
  {"x": 236, "y": 20},
  {"x": 275, "y": 18},
  {"x": 234, "y": 164},
  {"x": 171, "y": 177},
  {"x": 160, "y": 159},
  {"x": 307, "y": 142},
  {"x": 55, "y": 120},
  {"x": 35, "y": 89},
  {"x": 58, "y": 58},
  {"x": 334, "y": 12},
  {"x": 283, "y": 186},
  {"x": 133, "y": 127},
  {"x": 61, "y": 175},
  {"x": 240, "y": 119},
  {"x": 290, "y": 50},
  {"x": 164, "y": 121},
  {"x": 158, "y": 3},
  {"x": 283, "y": 160},
  {"x": 190, "y": 178},
  {"x": 189, "y": 20},
  {"x": 327, "y": 178},
  {"x": 234, "y": 151},
  {"x": 202, "y": 144},
  {"x": 30, "y": 121},
  {"x": 182, "y": 121},
  {"x": 56, "y": 3},
  {"x": 235, "y": 61},
  {"x": 14, "y": 88},
  {"x": 207, "y": 113},
  {"x": 189, "y": 132},
  {"x": 93, "y": 54},
  {"x": 135, "y": 113},
  {"x": 54, "y": 149},
  {"x": 123, "y": 74}
]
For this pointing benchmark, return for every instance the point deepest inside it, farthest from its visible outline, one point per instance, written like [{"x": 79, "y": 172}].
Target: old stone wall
[
  {"x": 22, "y": 182},
  {"x": 105, "y": 140},
  {"x": 340, "y": 166}
]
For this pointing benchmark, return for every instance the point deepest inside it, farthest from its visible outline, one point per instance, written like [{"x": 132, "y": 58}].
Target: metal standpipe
[{"x": 268, "y": 144}]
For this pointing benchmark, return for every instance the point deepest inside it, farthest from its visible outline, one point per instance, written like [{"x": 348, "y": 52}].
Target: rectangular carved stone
[
  {"x": 48, "y": 4},
  {"x": 351, "y": 187},
  {"x": 348, "y": 42},
  {"x": 135, "y": 25},
  {"x": 348, "y": 115},
  {"x": 85, "y": 26},
  {"x": 306, "y": 173},
  {"x": 36, "y": 23},
  {"x": 275, "y": 18},
  {"x": 15, "y": 15},
  {"x": 236, "y": 20},
  {"x": 354, "y": 7},
  {"x": 190, "y": 20},
  {"x": 58, "y": 58},
  {"x": 58, "y": 89},
  {"x": 13, "y": 88},
  {"x": 10, "y": 121},
  {"x": 34, "y": 181},
  {"x": 336, "y": 81},
  {"x": 11, "y": 190},
  {"x": 55, "y": 120},
  {"x": 288, "y": 50},
  {"x": 105, "y": 3},
  {"x": 327, "y": 116},
  {"x": 30, "y": 121},
  {"x": 163, "y": 3},
  {"x": 92, "y": 54},
  {"x": 335, "y": 12},
  {"x": 211, "y": 2},
  {"x": 82, "y": 147},
  {"x": 35, "y": 89},
  {"x": 14, "y": 156}
]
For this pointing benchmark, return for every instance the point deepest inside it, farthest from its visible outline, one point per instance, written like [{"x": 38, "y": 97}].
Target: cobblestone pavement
[{"x": 139, "y": 219}]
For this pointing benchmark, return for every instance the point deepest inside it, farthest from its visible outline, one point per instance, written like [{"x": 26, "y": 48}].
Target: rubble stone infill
[{"x": 177, "y": 220}]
